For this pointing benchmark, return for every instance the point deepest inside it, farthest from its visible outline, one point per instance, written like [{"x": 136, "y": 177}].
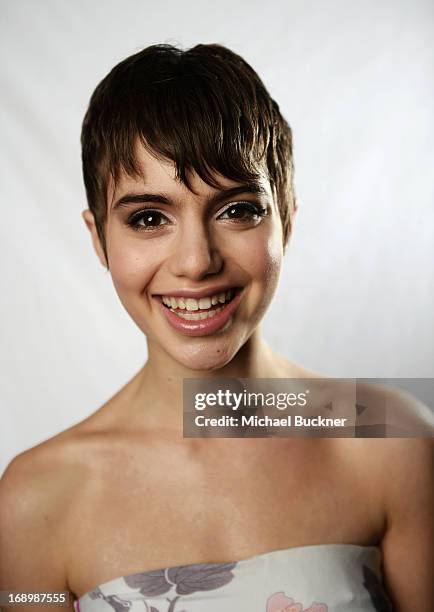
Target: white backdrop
[{"x": 354, "y": 80}]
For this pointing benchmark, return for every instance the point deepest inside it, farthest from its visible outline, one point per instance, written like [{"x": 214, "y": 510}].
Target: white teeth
[
  {"x": 196, "y": 316},
  {"x": 205, "y": 303},
  {"x": 190, "y": 304}
]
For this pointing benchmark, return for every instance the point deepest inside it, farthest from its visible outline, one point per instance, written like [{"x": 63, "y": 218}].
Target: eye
[
  {"x": 244, "y": 212},
  {"x": 147, "y": 220}
]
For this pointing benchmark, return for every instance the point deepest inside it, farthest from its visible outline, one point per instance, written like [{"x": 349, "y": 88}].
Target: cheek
[
  {"x": 132, "y": 266},
  {"x": 263, "y": 257}
]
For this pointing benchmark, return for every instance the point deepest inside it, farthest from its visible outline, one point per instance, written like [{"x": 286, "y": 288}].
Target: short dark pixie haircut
[{"x": 205, "y": 109}]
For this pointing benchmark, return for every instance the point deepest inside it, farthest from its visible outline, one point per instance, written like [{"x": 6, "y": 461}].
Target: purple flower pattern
[{"x": 183, "y": 580}]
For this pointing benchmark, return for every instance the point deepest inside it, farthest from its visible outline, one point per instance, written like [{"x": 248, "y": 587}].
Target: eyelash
[{"x": 255, "y": 209}]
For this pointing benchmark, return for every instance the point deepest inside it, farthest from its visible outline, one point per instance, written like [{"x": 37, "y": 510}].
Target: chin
[{"x": 206, "y": 356}]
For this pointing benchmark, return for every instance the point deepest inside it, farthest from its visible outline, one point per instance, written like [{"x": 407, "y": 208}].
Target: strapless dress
[{"x": 317, "y": 578}]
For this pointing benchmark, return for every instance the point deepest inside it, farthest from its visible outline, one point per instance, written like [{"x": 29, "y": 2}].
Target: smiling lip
[{"x": 202, "y": 327}]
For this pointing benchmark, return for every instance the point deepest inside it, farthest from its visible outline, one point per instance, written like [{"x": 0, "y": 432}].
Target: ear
[{"x": 89, "y": 219}]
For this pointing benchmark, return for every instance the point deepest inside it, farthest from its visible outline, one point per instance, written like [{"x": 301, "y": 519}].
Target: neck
[{"x": 158, "y": 385}]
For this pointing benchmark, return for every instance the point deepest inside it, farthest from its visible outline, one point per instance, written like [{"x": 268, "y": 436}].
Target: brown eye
[
  {"x": 147, "y": 220},
  {"x": 243, "y": 211}
]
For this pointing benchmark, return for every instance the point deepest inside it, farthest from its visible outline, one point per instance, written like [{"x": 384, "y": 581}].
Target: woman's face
[{"x": 195, "y": 271}]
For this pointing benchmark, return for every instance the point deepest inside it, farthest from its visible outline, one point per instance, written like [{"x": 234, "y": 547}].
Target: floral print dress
[{"x": 320, "y": 578}]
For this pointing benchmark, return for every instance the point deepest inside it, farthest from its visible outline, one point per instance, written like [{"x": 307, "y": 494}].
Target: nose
[{"x": 195, "y": 254}]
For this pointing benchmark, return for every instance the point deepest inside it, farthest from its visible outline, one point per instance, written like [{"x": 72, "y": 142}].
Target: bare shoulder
[
  {"x": 53, "y": 471},
  {"x": 40, "y": 480},
  {"x": 48, "y": 474},
  {"x": 37, "y": 493},
  {"x": 392, "y": 458},
  {"x": 37, "y": 469},
  {"x": 403, "y": 414},
  {"x": 44, "y": 480}
]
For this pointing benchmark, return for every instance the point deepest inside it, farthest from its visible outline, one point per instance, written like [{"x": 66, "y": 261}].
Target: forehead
[{"x": 159, "y": 175}]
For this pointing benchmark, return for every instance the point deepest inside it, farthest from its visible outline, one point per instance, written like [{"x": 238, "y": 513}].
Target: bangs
[{"x": 196, "y": 114}]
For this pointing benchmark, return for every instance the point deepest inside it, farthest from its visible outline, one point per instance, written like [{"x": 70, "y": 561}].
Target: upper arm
[
  {"x": 30, "y": 554},
  {"x": 407, "y": 547}
]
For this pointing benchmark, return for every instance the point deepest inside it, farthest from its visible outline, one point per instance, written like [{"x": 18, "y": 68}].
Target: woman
[{"x": 188, "y": 170}]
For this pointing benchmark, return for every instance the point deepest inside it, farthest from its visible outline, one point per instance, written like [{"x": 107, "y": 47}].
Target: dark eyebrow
[{"x": 130, "y": 199}]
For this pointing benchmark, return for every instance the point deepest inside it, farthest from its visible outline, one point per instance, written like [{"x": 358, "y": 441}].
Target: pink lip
[{"x": 203, "y": 327}]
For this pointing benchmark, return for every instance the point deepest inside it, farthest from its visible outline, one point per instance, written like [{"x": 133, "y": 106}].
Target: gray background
[{"x": 356, "y": 297}]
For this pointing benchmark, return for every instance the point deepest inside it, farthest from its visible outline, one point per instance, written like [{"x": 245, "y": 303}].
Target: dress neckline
[{"x": 239, "y": 562}]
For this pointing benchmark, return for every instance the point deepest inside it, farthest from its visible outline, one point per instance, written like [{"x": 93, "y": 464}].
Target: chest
[{"x": 154, "y": 508}]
